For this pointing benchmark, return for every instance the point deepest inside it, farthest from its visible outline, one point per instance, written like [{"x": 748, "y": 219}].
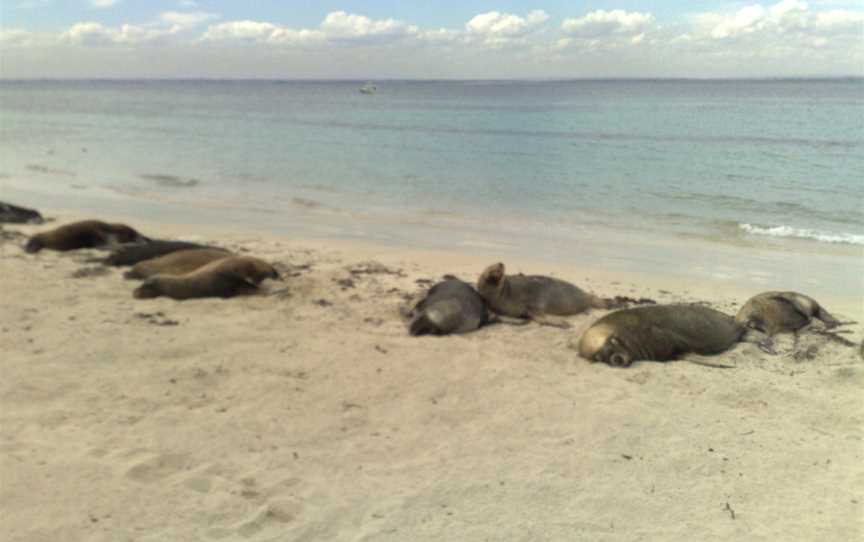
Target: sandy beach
[{"x": 309, "y": 414}]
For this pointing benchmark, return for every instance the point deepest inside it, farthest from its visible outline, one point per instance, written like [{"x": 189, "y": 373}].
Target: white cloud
[
  {"x": 15, "y": 37},
  {"x": 91, "y": 33},
  {"x": 786, "y": 36},
  {"x": 783, "y": 37},
  {"x": 170, "y": 26},
  {"x": 260, "y": 32},
  {"x": 497, "y": 29},
  {"x": 187, "y": 19},
  {"x": 341, "y": 26},
  {"x": 840, "y": 21},
  {"x": 103, "y": 4},
  {"x": 337, "y": 27},
  {"x": 788, "y": 17},
  {"x": 240, "y": 30},
  {"x": 599, "y": 24}
]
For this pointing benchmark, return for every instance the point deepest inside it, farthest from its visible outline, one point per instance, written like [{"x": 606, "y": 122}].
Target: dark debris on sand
[
  {"x": 373, "y": 268},
  {"x": 292, "y": 270},
  {"x": 88, "y": 272},
  {"x": 623, "y": 302},
  {"x": 156, "y": 318},
  {"x": 10, "y": 235}
]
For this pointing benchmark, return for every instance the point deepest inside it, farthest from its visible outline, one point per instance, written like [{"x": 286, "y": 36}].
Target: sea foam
[{"x": 803, "y": 233}]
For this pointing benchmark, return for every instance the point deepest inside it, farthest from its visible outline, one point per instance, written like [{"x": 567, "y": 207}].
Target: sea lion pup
[
  {"x": 451, "y": 306},
  {"x": 13, "y": 214},
  {"x": 228, "y": 277},
  {"x": 776, "y": 312},
  {"x": 83, "y": 234},
  {"x": 133, "y": 254},
  {"x": 534, "y": 297},
  {"x": 658, "y": 333},
  {"x": 176, "y": 263}
]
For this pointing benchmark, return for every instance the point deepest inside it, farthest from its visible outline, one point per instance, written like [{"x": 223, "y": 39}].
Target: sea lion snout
[
  {"x": 606, "y": 349},
  {"x": 493, "y": 274},
  {"x": 618, "y": 359},
  {"x": 148, "y": 290},
  {"x": 34, "y": 244}
]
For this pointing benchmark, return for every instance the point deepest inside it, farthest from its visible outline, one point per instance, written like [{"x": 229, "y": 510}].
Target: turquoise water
[{"x": 718, "y": 159}]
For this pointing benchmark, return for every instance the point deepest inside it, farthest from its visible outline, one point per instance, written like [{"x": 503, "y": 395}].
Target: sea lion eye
[{"x": 618, "y": 360}]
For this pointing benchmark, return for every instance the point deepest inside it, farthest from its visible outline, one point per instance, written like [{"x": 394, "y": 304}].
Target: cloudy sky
[{"x": 430, "y": 38}]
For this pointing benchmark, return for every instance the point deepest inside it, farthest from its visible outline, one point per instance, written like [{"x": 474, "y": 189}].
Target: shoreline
[{"x": 687, "y": 265}]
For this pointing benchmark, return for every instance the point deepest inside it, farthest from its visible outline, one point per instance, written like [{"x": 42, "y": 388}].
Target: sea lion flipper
[
  {"x": 509, "y": 320},
  {"x": 231, "y": 284},
  {"x": 668, "y": 343},
  {"x": 549, "y": 320},
  {"x": 827, "y": 319}
]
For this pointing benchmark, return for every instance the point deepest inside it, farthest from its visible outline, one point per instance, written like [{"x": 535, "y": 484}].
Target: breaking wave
[{"x": 803, "y": 233}]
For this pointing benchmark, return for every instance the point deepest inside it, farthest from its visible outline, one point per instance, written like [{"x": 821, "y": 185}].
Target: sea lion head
[
  {"x": 149, "y": 289},
  {"x": 121, "y": 233},
  {"x": 34, "y": 244},
  {"x": 600, "y": 343},
  {"x": 492, "y": 278},
  {"x": 253, "y": 270}
]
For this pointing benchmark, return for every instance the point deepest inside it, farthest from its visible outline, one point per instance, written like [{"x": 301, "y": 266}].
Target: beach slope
[{"x": 310, "y": 414}]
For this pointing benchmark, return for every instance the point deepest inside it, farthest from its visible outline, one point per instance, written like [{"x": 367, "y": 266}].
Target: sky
[{"x": 429, "y": 39}]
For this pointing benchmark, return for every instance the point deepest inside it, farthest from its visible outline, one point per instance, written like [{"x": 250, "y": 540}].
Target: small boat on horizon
[{"x": 368, "y": 88}]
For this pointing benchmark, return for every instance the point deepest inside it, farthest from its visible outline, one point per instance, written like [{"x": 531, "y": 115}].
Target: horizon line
[{"x": 448, "y": 79}]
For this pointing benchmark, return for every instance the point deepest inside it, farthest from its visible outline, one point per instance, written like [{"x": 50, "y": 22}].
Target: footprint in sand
[
  {"x": 158, "y": 468},
  {"x": 273, "y": 515}
]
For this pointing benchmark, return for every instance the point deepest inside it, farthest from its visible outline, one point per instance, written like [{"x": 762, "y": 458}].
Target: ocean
[{"x": 774, "y": 165}]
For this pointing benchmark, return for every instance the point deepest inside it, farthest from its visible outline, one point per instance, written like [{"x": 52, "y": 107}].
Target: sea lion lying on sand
[
  {"x": 776, "y": 312},
  {"x": 13, "y": 214},
  {"x": 658, "y": 333},
  {"x": 451, "y": 306},
  {"x": 83, "y": 234},
  {"x": 176, "y": 263},
  {"x": 228, "y": 277},
  {"x": 132, "y": 254},
  {"x": 534, "y": 296}
]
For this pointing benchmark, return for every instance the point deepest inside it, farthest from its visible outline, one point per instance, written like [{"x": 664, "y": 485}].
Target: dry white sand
[{"x": 310, "y": 414}]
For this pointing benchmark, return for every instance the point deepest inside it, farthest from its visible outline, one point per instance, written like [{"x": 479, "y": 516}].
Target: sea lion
[
  {"x": 658, "y": 333},
  {"x": 132, "y": 254},
  {"x": 228, "y": 277},
  {"x": 451, "y": 306},
  {"x": 13, "y": 214},
  {"x": 776, "y": 312},
  {"x": 176, "y": 263},
  {"x": 83, "y": 234},
  {"x": 534, "y": 297}
]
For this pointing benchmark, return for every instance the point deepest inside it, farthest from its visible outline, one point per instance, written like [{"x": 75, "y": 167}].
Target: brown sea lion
[
  {"x": 83, "y": 234},
  {"x": 534, "y": 297},
  {"x": 451, "y": 306},
  {"x": 228, "y": 277},
  {"x": 658, "y": 333},
  {"x": 13, "y": 214},
  {"x": 132, "y": 254},
  {"x": 176, "y": 263},
  {"x": 776, "y": 312}
]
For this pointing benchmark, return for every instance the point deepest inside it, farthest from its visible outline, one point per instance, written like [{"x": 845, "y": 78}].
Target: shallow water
[{"x": 560, "y": 169}]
